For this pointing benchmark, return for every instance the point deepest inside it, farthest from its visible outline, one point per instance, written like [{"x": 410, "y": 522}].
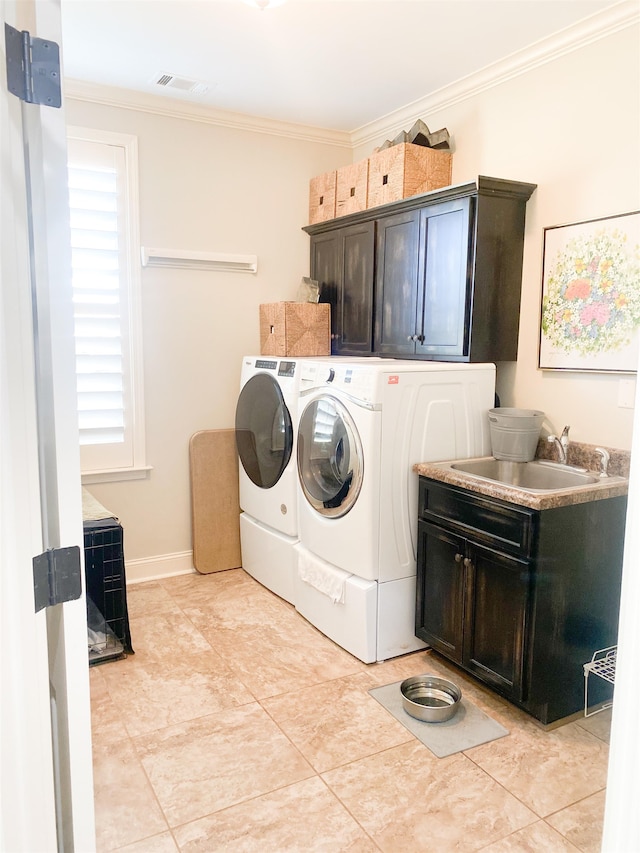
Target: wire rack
[{"x": 603, "y": 665}]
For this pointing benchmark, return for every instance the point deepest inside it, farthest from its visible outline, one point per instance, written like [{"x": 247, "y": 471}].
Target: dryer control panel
[
  {"x": 287, "y": 368},
  {"x": 358, "y": 381}
]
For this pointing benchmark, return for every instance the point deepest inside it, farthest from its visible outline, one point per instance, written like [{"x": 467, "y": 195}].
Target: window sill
[{"x": 114, "y": 475}]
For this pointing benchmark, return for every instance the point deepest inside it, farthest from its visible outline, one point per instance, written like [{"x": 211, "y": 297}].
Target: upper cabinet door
[
  {"x": 342, "y": 262},
  {"x": 325, "y": 269},
  {"x": 396, "y": 300},
  {"x": 355, "y": 295},
  {"x": 445, "y": 275}
]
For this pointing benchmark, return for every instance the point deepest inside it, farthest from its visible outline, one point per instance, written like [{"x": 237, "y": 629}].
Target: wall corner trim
[{"x": 598, "y": 26}]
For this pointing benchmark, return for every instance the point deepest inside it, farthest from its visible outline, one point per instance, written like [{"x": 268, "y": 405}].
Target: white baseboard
[{"x": 162, "y": 566}]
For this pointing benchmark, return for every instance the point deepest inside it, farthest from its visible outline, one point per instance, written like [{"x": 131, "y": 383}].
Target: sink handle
[{"x": 604, "y": 461}]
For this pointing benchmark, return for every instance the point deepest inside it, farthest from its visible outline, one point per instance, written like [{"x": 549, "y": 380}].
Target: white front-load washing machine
[
  {"x": 266, "y": 425},
  {"x": 361, "y": 428}
]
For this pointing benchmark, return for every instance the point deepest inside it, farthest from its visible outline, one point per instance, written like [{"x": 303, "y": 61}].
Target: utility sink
[{"x": 533, "y": 476}]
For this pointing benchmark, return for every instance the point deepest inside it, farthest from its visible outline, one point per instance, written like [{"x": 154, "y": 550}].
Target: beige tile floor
[{"x": 237, "y": 726}]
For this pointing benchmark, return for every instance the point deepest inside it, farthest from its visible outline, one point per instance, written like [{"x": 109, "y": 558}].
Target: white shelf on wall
[
  {"x": 179, "y": 259},
  {"x": 603, "y": 665}
]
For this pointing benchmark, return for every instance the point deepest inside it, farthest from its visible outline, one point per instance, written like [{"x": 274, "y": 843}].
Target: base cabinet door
[
  {"x": 440, "y": 590},
  {"x": 497, "y": 597},
  {"x": 471, "y": 606}
]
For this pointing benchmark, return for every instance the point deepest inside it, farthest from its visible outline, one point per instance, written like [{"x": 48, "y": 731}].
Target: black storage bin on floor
[{"x": 107, "y": 616}]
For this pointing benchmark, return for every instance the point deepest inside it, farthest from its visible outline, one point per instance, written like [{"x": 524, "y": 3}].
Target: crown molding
[
  {"x": 127, "y": 99},
  {"x": 601, "y": 25}
]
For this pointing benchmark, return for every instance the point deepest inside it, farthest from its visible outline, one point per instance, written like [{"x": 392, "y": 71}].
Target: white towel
[
  {"x": 92, "y": 509},
  {"x": 324, "y": 577}
]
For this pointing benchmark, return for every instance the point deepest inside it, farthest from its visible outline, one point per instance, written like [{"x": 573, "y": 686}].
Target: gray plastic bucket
[{"x": 515, "y": 433}]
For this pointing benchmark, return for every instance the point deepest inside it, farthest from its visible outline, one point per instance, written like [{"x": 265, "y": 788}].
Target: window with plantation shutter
[{"x": 105, "y": 279}]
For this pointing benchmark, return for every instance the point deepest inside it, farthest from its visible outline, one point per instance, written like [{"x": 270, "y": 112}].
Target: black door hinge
[
  {"x": 33, "y": 68},
  {"x": 57, "y": 576}
]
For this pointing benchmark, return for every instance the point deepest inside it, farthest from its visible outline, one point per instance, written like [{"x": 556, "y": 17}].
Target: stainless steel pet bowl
[{"x": 430, "y": 698}]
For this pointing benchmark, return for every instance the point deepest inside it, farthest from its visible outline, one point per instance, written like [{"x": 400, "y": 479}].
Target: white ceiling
[{"x": 334, "y": 64}]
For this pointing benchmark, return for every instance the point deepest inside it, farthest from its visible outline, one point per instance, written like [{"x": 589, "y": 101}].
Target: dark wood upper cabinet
[
  {"x": 325, "y": 268},
  {"x": 356, "y": 299},
  {"x": 435, "y": 276},
  {"x": 396, "y": 284},
  {"x": 446, "y": 243},
  {"x": 342, "y": 260}
]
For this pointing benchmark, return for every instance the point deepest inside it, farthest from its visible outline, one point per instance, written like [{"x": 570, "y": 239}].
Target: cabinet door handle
[
  {"x": 467, "y": 563},
  {"x": 413, "y": 337},
  {"x": 458, "y": 558}
]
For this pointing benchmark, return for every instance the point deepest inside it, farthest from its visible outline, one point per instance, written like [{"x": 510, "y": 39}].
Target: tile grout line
[
  {"x": 539, "y": 818},
  {"x": 177, "y": 609}
]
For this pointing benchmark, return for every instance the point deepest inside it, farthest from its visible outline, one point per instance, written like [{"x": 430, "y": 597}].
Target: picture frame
[{"x": 590, "y": 306}]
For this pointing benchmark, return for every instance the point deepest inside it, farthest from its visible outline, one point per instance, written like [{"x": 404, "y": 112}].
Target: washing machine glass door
[
  {"x": 264, "y": 432},
  {"x": 330, "y": 463}
]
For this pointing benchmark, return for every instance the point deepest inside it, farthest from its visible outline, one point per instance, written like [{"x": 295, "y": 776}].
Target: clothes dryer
[
  {"x": 362, "y": 427},
  {"x": 266, "y": 428},
  {"x": 266, "y": 424}
]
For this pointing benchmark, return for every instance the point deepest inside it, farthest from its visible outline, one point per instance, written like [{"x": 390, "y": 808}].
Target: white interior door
[{"x": 46, "y": 776}]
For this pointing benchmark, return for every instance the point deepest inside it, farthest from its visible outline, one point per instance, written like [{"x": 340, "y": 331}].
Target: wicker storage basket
[
  {"x": 322, "y": 197},
  {"x": 351, "y": 188},
  {"x": 295, "y": 329},
  {"x": 405, "y": 170}
]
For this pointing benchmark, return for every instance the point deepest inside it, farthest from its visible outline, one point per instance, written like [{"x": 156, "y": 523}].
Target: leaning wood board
[{"x": 215, "y": 507}]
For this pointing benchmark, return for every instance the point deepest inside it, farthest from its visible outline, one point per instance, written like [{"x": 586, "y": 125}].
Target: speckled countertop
[{"x": 582, "y": 455}]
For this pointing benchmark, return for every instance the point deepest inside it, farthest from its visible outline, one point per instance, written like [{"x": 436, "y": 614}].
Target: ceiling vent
[{"x": 172, "y": 81}]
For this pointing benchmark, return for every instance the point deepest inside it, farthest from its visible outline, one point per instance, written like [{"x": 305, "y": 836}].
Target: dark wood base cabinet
[
  {"x": 435, "y": 276},
  {"x": 518, "y": 597}
]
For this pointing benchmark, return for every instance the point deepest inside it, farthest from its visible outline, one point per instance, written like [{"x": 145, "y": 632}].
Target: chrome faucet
[
  {"x": 604, "y": 460},
  {"x": 562, "y": 444}
]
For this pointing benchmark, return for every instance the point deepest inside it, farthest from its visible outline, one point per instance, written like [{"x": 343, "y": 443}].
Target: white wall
[
  {"x": 571, "y": 125},
  {"x": 206, "y": 188}
]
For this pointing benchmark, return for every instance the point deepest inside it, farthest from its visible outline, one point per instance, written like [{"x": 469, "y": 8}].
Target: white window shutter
[{"x": 104, "y": 279}]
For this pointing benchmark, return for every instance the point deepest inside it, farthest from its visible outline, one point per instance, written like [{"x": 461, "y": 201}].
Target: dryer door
[
  {"x": 264, "y": 432},
  {"x": 330, "y": 462}
]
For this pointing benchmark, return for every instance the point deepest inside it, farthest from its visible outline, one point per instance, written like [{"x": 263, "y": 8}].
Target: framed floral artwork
[{"x": 590, "y": 318}]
